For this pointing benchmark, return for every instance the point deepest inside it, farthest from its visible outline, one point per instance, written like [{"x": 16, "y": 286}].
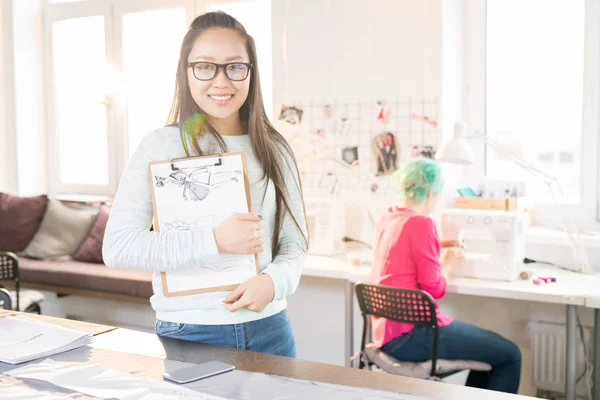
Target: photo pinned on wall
[
  {"x": 425, "y": 151},
  {"x": 344, "y": 126},
  {"x": 330, "y": 123},
  {"x": 425, "y": 119},
  {"x": 350, "y": 155},
  {"x": 385, "y": 151},
  {"x": 414, "y": 152},
  {"x": 381, "y": 112},
  {"x": 428, "y": 151},
  {"x": 329, "y": 182},
  {"x": 291, "y": 115}
]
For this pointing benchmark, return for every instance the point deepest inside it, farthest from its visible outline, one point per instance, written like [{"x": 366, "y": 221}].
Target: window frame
[
  {"x": 59, "y": 12},
  {"x": 116, "y": 105},
  {"x": 586, "y": 214}
]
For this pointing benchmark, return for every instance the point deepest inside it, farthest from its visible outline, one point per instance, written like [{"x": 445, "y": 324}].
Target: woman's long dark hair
[{"x": 270, "y": 147}]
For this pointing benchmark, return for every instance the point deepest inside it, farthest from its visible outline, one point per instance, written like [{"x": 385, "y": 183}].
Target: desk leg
[
  {"x": 571, "y": 377},
  {"x": 596, "y": 389},
  {"x": 349, "y": 340}
]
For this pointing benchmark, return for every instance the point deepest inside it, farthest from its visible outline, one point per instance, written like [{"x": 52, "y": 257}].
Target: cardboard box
[{"x": 485, "y": 203}]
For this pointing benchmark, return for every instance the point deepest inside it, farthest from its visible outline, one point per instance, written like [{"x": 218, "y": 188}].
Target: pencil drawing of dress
[{"x": 198, "y": 182}]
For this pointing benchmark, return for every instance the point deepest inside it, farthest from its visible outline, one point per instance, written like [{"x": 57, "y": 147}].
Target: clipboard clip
[{"x": 216, "y": 164}]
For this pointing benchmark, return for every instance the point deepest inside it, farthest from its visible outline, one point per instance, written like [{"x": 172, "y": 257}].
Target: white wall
[
  {"x": 8, "y": 174},
  {"x": 355, "y": 50},
  {"x": 345, "y": 49}
]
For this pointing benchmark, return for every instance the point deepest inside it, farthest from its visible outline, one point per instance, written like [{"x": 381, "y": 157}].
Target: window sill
[
  {"x": 84, "y": 198},
  {"x": 553, "y": 237}
]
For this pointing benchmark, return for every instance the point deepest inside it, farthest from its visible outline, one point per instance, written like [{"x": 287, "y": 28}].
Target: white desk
[
  {"x": 594, "y": 302},
  {"x": 571, "y": 290}
]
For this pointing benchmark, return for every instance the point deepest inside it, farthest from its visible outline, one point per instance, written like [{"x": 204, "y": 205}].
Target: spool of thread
[{"x": 526, "y": 274}]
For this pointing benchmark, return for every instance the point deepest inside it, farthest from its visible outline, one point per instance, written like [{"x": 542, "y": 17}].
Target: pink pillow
[
  {"x": 20, "y": 219},
  {"x": 91, "y": 249}
]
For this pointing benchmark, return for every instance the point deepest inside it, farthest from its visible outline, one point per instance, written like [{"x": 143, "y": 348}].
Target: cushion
[
  {"x": 86, "y": 276},
  {"x": 62, "y": 231},
  {"x": 21, "y": 218},
  {"x": 91, "y": 249},
  {"x": 419, "y": 370}
]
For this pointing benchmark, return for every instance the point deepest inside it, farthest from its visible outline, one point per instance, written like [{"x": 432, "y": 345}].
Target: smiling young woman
[{"x": 218, "y": 107}]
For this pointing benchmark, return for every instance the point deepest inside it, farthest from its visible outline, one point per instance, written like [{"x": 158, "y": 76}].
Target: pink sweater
[{"x": 406, "y": 255}]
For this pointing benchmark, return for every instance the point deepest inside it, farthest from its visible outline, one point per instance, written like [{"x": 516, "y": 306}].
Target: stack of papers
[
  {"x": 23, "y": 339},
  {"x": 98, "y": 381}
]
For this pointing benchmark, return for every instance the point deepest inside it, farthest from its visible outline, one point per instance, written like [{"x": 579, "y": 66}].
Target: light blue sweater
[{"x": 128, "y": 242}]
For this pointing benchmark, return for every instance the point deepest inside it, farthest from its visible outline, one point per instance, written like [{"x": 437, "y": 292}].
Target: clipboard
[{"x": 201, "y": 192}]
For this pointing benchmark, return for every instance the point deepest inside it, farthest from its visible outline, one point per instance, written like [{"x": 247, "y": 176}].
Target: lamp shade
[{"x": 457, "y": 150}]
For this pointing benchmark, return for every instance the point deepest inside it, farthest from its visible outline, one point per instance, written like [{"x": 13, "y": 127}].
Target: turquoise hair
[{"x": 416, "y": 177}]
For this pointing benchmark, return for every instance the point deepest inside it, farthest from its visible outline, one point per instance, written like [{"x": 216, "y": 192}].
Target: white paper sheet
[
  {"x": 199, "y": 194},
  {"x": 20, "y": 392},
  {"x": 25, "y": 339},
  {"x": 96, "y": 380}
]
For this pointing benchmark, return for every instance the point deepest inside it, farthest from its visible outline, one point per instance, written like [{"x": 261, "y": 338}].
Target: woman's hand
[
  {"x": 253, "y": 294},
  {"x": 444, "y": 244},
  {"x": 452, "y": 256},
  {"x": 240, "y": 234},
  {"x": 449, "y": 259}
]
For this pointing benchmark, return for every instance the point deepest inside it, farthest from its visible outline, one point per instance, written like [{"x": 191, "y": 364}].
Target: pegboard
[{"x": 323, "y": 129}]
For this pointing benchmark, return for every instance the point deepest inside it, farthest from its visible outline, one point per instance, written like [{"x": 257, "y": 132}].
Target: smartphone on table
[{"x": 198, "y": 371}]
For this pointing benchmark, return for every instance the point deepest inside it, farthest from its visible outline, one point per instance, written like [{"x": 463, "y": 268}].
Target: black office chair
[
  {"x": 5, "y": 300},
  {"x": 22, "y": 300},
  {"x": 415, "y": 307}
]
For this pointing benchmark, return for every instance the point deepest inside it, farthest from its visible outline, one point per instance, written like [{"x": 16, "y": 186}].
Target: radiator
[{"x": 548, "y": 347}]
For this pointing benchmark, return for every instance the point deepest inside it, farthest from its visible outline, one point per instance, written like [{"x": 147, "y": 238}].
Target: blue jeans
[
  {"x": 272, "y": 335},
  {"x": 460, "y": 341}
]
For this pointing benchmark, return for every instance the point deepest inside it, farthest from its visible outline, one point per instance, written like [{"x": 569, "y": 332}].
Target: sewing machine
[{"x": 494, "y": 242}]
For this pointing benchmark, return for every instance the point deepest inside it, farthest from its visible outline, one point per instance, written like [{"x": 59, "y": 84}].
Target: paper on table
[
  {"x": 96, "y": 380},
  {"x": 25, "y": 339},
  {"x": 20, "y": 392}
]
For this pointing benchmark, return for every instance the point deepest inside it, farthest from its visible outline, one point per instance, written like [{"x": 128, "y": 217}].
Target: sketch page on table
[{"x": 200, "y": 193}]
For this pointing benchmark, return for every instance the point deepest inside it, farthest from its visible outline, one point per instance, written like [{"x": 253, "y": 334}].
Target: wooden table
[
  {"x": 151, "y": 350},
  {"x": 191, "y": 352},
  {"x": 87, "y": 327}
]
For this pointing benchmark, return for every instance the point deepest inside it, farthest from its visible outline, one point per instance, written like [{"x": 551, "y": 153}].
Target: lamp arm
[
  {"x": 548, "y": 179},
  {"x": 558, "y": 198},
  {"x": 570, "y": 228}
]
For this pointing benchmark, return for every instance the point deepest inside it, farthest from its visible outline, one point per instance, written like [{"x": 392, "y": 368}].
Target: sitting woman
[{"x": 407, "y": 255}]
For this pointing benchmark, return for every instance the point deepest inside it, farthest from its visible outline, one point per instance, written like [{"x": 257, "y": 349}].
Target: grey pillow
[
  {"x": 62, "y": 231},
  {"x": 419, "y": 370}
]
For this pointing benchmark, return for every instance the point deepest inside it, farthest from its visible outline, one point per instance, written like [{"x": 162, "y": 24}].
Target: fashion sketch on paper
[{"x": 198, "y": 182}]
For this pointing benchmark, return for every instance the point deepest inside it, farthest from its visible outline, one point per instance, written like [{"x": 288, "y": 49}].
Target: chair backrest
[
  {"x": 5, "y": 300},
  {"x": 401, "y": 305},
  {"x": 9, "y": 270},
  {"x": 9, "y": 266},
  {"x": 396, "y": 304}
]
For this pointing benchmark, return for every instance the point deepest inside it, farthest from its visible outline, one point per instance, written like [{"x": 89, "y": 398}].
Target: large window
[
  {"x": 111, "y": 68},
  {"x": 534, "y": 82},
  {"x": 540, "y": 68},
  {"x": 80, "y": 113}
]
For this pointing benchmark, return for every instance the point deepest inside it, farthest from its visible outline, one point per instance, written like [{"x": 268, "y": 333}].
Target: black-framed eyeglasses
[{"x": 206, "y": 71}]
